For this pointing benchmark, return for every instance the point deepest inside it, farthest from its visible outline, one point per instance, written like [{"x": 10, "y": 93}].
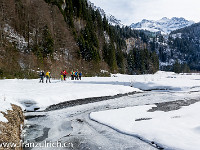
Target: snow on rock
[
  {"x": 107, "y": 38},
  {"x": 2, "y": 119},
  {"x": 4, "y": 106},
  {"x": 16, "y": 38},
  {"x": 179, "y": 129}
]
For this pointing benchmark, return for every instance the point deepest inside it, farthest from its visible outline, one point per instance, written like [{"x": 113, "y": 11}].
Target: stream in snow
[{"x": 73, "y": 126}]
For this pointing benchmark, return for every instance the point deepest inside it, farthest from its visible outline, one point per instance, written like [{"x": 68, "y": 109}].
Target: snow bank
[{"x": 178, "y": 129}]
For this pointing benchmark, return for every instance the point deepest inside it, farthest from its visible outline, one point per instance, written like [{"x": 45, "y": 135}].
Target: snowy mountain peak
[
  {"x": 111, "y": 19},
  {"x": 164, "y": 25},
  {"x": 165, "y": 19}
]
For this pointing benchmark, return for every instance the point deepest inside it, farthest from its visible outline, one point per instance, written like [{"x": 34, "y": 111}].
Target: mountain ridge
[
  {"x": 111, "y": 18},
  {"x": 164, "y": 25}
]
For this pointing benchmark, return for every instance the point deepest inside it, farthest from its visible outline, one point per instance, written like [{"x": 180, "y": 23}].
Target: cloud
[{"x": 129, "y": 11}]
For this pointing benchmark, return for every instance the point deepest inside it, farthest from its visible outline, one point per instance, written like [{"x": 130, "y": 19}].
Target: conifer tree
[
  {"x": 131, "y": 63},
  {"x": 47, "y": 42},
  {"x": 177, "y": 67}
]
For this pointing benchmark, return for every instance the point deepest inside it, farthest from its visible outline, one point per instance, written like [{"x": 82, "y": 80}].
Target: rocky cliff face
[{"x": 135, "y": 43}]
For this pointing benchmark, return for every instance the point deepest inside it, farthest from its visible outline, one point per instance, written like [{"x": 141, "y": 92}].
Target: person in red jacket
[{"x": 64, "y": 74}]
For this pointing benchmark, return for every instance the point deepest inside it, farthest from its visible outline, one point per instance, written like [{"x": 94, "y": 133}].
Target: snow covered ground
[
  {"x": 134, "y": 120},
  {"x": 30, "y": 94},
  {"x": 179, "y": 129},
  {"x": 175, "y": 129}
]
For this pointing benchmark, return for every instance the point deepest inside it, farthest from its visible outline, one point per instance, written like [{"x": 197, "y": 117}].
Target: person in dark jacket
[
  {"x": 80, "y": 74},
  {"x": 41, "y": 76},
  {"x": 72, "y": 75},
  {"x": 76, "y": 75}
]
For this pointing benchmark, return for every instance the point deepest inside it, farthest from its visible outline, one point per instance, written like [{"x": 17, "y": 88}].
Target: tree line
[{"x": 93, "y": 47}]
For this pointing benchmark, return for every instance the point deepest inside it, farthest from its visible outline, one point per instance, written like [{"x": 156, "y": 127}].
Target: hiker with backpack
[
  {"x": 64, "y": 74},
  {"x": 72, "y": 75},
  {"x": 80, "y": 74},
  {"x": 61, "y": 74},
  {"x": 41, "y": 74},
  {"x": 48, "y": 76},
  {"x": 76, "y": 75}
]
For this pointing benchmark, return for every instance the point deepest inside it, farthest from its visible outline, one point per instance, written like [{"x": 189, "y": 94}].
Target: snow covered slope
[{"x": 164, "y": 25}]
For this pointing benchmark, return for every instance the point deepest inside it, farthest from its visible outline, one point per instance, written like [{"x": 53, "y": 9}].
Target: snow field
[
  {"x": 179, "y": 129},
  {"x": 30, "y": 94},
  {"x": 173, "y": 126}
]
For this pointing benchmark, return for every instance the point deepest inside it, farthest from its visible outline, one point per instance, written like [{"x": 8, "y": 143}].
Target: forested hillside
[
  {"x": 179, "y": 51},
  {"x": 187, "y": 42},
  {"x": 67, "y": 34}
]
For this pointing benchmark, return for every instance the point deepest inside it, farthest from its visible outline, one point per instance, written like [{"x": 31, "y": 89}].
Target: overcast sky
[{"x": 133, "y": 11}]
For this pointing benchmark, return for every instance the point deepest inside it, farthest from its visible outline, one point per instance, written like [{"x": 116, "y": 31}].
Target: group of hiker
[
  {"x": 42, "y": 76},
  {"x": 75, "y": 75}
]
